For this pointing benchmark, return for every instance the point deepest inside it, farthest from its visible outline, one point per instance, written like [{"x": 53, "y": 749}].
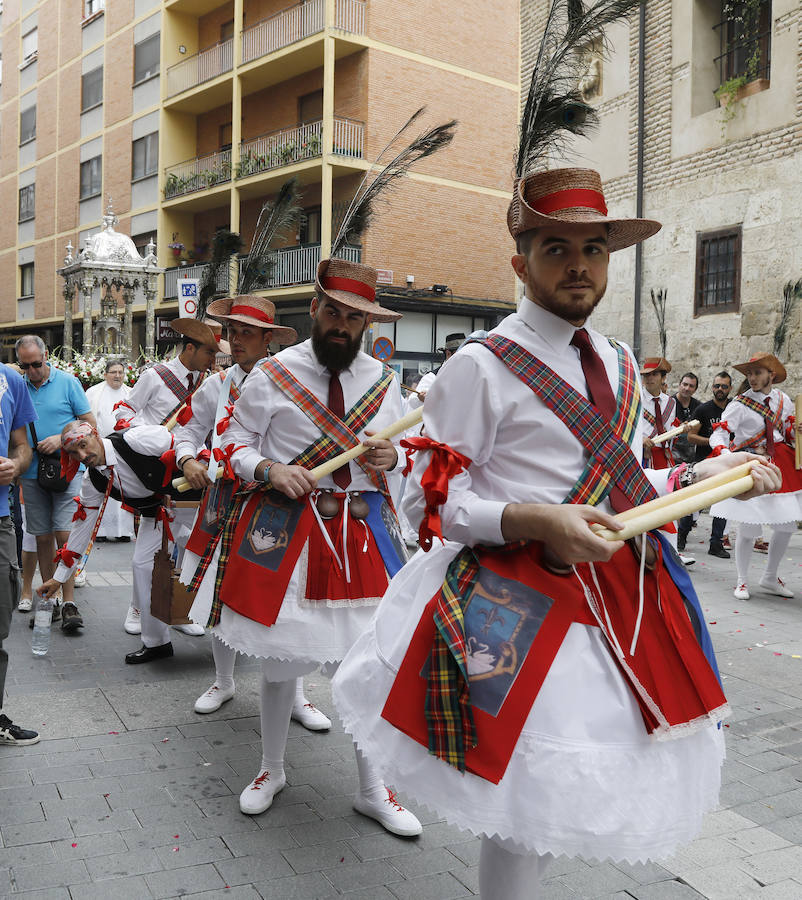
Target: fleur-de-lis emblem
[{"x": 491, "y": 616}]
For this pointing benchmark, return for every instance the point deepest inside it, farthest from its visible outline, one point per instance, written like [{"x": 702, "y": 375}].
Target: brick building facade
[{"x": 724, "y": 183}]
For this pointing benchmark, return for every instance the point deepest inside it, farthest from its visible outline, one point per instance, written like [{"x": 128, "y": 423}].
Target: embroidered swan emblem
[
  {"x": 480, "y": 660},
  {"x": 262, "y": 539}
]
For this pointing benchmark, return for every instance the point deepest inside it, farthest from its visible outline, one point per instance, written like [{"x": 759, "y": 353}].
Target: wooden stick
[
  {"x": 673, "y": 432},
  {"x": 797, "y": 441},
  {"x": 399, "y": 427},
  {"x": 681, "y": 507}
]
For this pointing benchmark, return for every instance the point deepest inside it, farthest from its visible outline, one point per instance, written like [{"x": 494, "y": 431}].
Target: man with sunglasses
[{"x": 58, "y": 398}]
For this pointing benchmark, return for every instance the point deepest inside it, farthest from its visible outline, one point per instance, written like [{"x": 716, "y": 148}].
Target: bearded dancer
[
  {"x": 125, "y": 466},
  {"x": 309, "y": 561},
  {"x": 562, "y": 760},
  {"x": 250, "y": 326},
  {"x": 762, "y": 421},
  {"x": 161, "y": 392}
]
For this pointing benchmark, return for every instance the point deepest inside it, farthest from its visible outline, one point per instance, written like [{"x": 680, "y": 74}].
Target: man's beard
[
  {"x": 565, "y": 308},
  {"x": 334, "y": 356}
]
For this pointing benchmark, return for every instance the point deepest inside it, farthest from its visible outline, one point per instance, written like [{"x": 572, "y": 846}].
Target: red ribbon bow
[
  {"x": 721, "y": 424},
  {"x": 168, "y": 461},
  {"x": 68, "y": 557},
  {"x": 69, "y": 466},
  {"x": 163, "y": 516},
  {"x": 226, "y": 420},
  {"x": 790, "y": 430},
  {"x": 445, "y": 464},
  {"x": 120, "y": 403},
  {"x": 122, "y": 424},
  {"x": 80, "y": 513},
  {"x": 186, "y": 413},
  {"x": 224, "y": 456},
  {"x": 205, "y": 455}
]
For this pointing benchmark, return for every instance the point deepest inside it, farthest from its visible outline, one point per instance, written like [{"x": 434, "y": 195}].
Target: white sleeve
[
  {"x": 81, "y": 529},
  {"x": 150, "y": 440},
  {"x": 248, "y": 425},
  {"x": 467, "y": 421},
  {"x": 190, "y": 438},
  {"x": 139, "y": 397},
  {"x": 721, "y": 436}
]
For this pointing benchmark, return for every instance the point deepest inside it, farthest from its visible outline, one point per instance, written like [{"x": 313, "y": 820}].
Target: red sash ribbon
[{"x": 68, "y": 557}]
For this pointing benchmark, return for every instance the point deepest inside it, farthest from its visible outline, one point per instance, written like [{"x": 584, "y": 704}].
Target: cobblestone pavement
[{"x": 130, "y": 794}]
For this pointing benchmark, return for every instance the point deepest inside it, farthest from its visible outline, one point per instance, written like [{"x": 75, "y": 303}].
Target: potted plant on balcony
[
  {"x": 288, "y": 152},
  {"x": 176, "y": 246},
  {"x": 311, "y": 146}
]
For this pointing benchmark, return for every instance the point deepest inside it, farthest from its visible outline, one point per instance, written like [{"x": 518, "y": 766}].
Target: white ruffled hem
[
  {"x": 770, "y": 509},
  {"x": 628, "y": 801}
]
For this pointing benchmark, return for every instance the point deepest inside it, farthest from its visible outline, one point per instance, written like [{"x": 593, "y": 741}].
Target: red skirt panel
[{"x": 785, "y": 459}]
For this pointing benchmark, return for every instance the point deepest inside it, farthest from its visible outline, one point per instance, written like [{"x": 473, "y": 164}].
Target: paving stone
[
  {"x": 249, "y": 869},
  {"x": 26, "y": 855},
  {"x": 782, "y": 890},
  {"x": 241, "y": 892},
  {"x": 322, "y": 832},
  {"x": 312, "y": 886},
  {"x": 118, "y": 820},
  {"x": 59, "y": 874},
  {"x": 56, "y": 893},
  {"x": 598, "y": 880},
  {"x": 427, "y": 862},
  {"x": 192, "y": 853},
  {"x": 123, "y": 889},
  {"x": 350, "y": 877},
  {"x": 191, "y": 880},
  {"x": 124, "y": 864},
  {"x": 36, "y": 832},
  {"x": 665, "y": 890},
  {"x": 75, "y": 808},
  {"x": 22, "y": 813},
  {"x": 723, "y": 882},
  {"x": 382, "y": 846},
  {"x": 773, "y": 865},
  {"x": 431, "y": 887},
  {"x": 59, "y": 774},
  {"x": 95, "y": 845},
  {"x": 97, "y": 787},
  {"x": 254, "y": 843},
  {"x": 319, "y": 857}
]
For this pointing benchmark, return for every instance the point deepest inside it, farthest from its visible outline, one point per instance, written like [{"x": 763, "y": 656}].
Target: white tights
[
  {"x": 505, "y": 875},
  {"x": 744, "y": 542},
  {"x": 225, "y": 658}
]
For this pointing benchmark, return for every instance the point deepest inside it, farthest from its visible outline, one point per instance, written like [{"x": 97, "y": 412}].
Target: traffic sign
[
  {"x": 383, "y": 349},
  {"x": 188, "y": 297}
]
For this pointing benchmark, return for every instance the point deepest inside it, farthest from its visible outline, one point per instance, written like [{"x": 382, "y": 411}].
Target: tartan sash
[
  {"x": 338, "y": 435},
  {"x": 667, "y": 416},
  {"x": 611, "y": 460},
  {"x": 772, "y": 420},
  {"x": 177, "y": 387}
]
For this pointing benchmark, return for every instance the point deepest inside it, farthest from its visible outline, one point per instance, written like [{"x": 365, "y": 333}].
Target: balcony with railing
[
  {"x": 200, "y": 67},
  {"x": 198, "y": 174},
  {"x": 292, "y": 145},
  {"x": 293, "y": 266},
  {"x": 298, "y": 22}
]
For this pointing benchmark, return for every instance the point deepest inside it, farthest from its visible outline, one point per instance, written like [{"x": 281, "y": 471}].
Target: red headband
[
  {"x": 251, "y": 311},
  {"x": 568, "y": 199},
  {"x": 335, "y": 283}
]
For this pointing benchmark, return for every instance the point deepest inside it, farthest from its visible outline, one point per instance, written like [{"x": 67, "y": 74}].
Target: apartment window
[
  {"x": 310, "y": 107},
  {"x": 92, "y": 89},
  {"x": 93, "y": 6},
  {"x": 145, "y": 156},
  {"x": 227, "y": 31},
  {"x": 27, "y": 202},
  {"x": 718, "y": 271},
  {"x": 27, "y": 125},
  {"x": 744, "y": 32},
  {"x": 309, "y": 226},
  {"x": 91, "y": 177},
  {"x": 26, "y": 280},
  {"x": 30, "y": 45},
  {"x": 224, "y": 136},
  {"x": 146, "y": 58}
]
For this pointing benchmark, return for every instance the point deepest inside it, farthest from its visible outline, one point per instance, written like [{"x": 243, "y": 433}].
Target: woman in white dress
[{"x": 116, "y": 523}]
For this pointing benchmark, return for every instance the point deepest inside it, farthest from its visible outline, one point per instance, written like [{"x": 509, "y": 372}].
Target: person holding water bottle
[{"x": 16, "y": 413}]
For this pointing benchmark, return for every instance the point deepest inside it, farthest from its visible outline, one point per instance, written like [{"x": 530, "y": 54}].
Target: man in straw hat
[
  {"x": 162, "y": 395},
  {"x": 250, "y": 326},
  {"x": 561, "y": 760},
  {"x": 659, "y": 415},
  {"x": 305, "y": 563},
  {"x": 762, "y": 421},
  {"x": 133, "y": 465}
]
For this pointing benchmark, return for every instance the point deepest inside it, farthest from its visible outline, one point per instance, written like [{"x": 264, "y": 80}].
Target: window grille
[
  {"x": 744, "y": 40},
  {"x": 27, "y": 202},
  {"x": 718, "y": 271}
]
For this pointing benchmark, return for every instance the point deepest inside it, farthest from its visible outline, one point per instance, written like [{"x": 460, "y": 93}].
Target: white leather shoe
[
  {"x": 741, "y": 592},
  {"x": 258, "y": 796},
  {"x": 777, "y": 587},
  {"x": 80, "y": 579},
  {"x": 311, "y": 717},
  {"x": 132, "y": 623},
  {"x": 191, "y": 629},
  {"x": 686, "y": 560},
  {"x": 390, "y": 814},
  {"x": 213, "y": 699},
  {"x": 25, "y": 604}
]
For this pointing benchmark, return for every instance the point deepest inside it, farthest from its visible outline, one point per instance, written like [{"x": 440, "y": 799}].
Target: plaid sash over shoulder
[
  {"x": 667, "y": 418},
  {"x": 772, "y": 420},
  {"x": 337, "y": 435},
  {"x": 177, "y": 387}
]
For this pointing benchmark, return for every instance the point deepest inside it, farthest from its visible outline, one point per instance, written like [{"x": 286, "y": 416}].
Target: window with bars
[
  {"x": 146, "y": 58},
  {"x": 91, "y": 177},
  {"x": 744, "y": 40},
  {"x": 145, "y": 156},
  {"x": 26, "y": 280},
  {"x": 27, "y": 125},
  {"x": 718, "y": 271},
  {"x": 92, "y": 89},
  {"x": 27, "y": 202}
]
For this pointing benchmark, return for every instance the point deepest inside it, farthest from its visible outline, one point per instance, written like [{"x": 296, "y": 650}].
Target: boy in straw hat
[
  {"x": 486, "y": 686},
  {"x": 303, "y": 565},
  {"x": 251, "y": 328},
  {"x": 762, "y": 421},
  {"x": 160, "y": 393}
]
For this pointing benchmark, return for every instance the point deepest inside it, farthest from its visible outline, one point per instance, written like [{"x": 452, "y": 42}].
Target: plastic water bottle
[{"x": 41, "y": 626}]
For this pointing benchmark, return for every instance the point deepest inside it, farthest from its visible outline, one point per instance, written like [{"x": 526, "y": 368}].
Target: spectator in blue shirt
[
  {"x": 58, "y": 398},
  {"x": 16, "y": 412}
]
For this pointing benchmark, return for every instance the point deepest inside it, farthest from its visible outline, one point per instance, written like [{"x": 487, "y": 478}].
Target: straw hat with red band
[
  {"x": 571, "y": 197},
  {"x": 655, "y": 364},
  {"x": 222, "y": 346},
  {"x": 196, "y": 331},
  {"x": 764, "y": 361},
  {"x": 250, "y": 309},
  {"x": 351, "y": 284}
]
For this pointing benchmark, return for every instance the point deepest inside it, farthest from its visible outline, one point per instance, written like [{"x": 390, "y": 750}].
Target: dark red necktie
[
  {"x": 769, "y": 430},
  {"x": 601, "y": 396},
  {"x": 190, "y": 381},
  {"x": 659, "y": 426},
  {"x": 342, "y": 476}
]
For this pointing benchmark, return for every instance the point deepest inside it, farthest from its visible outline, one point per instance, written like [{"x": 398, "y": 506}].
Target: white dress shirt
[
  {"x": 745, "y": 423},
  {"x": 151, "y": 440},
  {"x": 191, "y": 438},
  {"x": 102, "y": 398},
  {"x": 150, "y": 400},
  {"x": 668, "y": 410},
  {"x": 271, "y": 426},
  {"x": 520, "y": 451}
]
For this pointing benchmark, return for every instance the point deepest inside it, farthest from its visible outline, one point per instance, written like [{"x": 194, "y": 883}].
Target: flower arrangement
[
  {"x": 176, "y": 246},
  {"x": 91, "y": 370}
]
